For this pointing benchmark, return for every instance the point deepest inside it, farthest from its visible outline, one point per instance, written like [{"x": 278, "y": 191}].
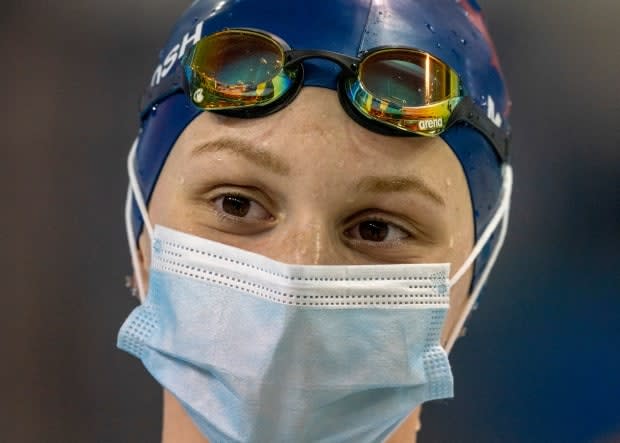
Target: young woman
[{"x": 317, "y": 194}]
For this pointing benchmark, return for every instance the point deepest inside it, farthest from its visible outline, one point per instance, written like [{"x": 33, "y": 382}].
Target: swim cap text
[{"x": 175, "y": 54}]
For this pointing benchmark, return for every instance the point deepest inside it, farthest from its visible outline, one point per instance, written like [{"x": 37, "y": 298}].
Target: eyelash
[
  {"x": 222, "y": 215},
  {"x": 376, "y": 218}
]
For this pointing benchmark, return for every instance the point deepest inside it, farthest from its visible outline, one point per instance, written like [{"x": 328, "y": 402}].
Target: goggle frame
[{"x": 375, "y": 113}]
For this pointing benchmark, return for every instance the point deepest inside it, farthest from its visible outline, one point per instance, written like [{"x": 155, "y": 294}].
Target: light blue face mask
[{"x": 262, "y": 351}]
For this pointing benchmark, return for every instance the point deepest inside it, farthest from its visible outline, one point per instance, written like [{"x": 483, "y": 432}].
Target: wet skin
[{"x": 308, "y": 185}]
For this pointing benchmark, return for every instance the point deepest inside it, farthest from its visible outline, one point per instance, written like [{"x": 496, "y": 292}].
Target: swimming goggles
[{"x": 390, "y": 90}]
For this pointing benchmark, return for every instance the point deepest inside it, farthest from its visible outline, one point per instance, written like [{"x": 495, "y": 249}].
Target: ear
[{"x": 144, "y": 259}]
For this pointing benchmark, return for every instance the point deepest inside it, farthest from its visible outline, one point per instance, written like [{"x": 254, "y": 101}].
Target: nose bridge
[{"x": 308, "y": 243}]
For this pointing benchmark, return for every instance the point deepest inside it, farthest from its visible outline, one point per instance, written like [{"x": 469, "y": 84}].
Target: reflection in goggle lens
[
  {"x": 237, "y": 69},
  {"x": 404, "y": 88}
]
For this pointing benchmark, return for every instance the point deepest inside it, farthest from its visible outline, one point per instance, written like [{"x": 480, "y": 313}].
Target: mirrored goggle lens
[
  {"x": 408, "y": 78},
  {"x": 235, "y": 69},
  {"x": 408, "y": 89}
]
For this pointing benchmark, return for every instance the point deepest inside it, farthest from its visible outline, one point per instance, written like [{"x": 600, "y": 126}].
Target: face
[{"x": 308, "y": 185}]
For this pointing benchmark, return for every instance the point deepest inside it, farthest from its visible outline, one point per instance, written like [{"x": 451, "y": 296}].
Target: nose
[{"x": 307, "y": 244}]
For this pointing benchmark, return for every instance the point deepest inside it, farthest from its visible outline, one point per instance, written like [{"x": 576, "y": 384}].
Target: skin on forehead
[{"x": 314, "y": 178}]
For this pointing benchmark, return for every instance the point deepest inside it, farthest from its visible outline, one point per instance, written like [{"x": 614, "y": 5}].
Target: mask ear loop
[
  {"x": 134, "y": 191},
  {"x": 501, "y": 215}
]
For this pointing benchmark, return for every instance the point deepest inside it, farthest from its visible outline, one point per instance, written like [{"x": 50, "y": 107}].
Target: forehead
[{"x": 320, "y": 144}]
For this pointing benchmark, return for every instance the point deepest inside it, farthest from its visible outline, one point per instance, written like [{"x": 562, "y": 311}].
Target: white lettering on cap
[
  {"x": 175, "y": 54},
  {"x": 495, "y": 117}
]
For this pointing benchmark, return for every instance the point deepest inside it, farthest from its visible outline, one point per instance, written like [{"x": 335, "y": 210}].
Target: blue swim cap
[{"x": 452, "y": 30}]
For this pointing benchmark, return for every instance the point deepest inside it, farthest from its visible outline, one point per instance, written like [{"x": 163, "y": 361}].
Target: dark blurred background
[{"x": 541, "y": 360}]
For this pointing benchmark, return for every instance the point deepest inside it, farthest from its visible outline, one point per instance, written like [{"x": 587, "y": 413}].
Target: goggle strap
[{"x": 467, "y": 111}]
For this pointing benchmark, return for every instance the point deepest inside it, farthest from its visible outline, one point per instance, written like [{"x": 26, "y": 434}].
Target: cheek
[
  {"x": 166, "y": 206},
  {"x": 461, "y": 219},
  {"x": 461, "y": 243},
  {"x": 461, "y": 235}
]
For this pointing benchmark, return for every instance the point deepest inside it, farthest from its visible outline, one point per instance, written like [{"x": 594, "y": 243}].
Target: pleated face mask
[
  {"x": 262, "y": 351},
  {"x": 258, "y": 350}
]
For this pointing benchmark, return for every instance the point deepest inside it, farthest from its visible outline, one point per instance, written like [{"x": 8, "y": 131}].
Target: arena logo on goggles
[
  {"x": 431, "y": 123},
  {"x": 175, "y": 54}
]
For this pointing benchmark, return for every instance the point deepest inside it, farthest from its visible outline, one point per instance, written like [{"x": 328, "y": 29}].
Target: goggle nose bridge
[{"x": 347, "y": 63}]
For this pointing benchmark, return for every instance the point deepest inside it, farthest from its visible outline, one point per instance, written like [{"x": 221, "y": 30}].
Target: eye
[
  {"x": 240, "y": 207},
  {"x": 376, "y": 231}
]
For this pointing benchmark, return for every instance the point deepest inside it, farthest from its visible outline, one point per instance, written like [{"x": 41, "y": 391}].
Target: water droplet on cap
[
  {"x": 438, "y": 45},
  {"x": 463, "y": 41},
  {"x": 430, "y": 27}
]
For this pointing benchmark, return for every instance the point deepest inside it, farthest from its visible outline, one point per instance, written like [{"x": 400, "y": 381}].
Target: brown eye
[
  {"x": 373, "y": 230},
  {"x": 237, "y": 206},
  {"x": 376, "y": 231}
]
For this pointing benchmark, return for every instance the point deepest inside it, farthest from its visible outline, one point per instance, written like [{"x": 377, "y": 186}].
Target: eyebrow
[
  {"x": 399, "y": 184},
  {"x": 244, "y": 148},
  {"x": 275, "y": 164}
]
